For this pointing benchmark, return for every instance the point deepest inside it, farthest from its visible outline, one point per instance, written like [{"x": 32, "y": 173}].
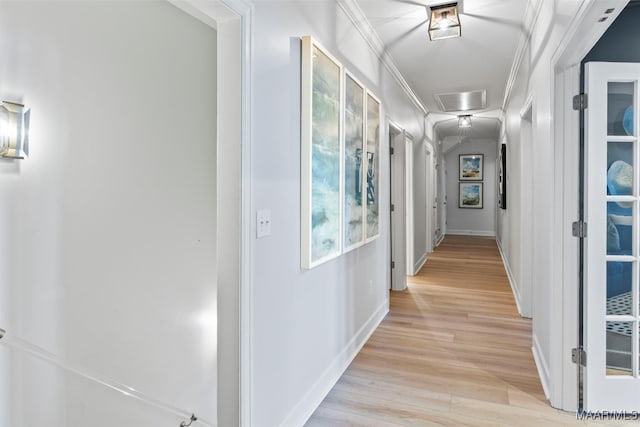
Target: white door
[
  {"x": 431, "y": 198},
  {"x": 442, "y": 206},
  {"x": 398, "y": 214},
  {"x": 611, "y": 312}
]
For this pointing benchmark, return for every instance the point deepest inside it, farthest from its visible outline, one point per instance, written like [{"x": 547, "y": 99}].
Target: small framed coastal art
[
  {"x": 471, "y": 167},
  {"x": 470, "y": 195}
]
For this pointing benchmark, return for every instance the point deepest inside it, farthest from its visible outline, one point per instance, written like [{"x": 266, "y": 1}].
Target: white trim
[
  {"x": 244, "y": 8},
  {"x": 527, "y": 219},
  {"x": 564, "y": 302},
  {"x": 483, "y": 233},
  {"x": 307, "y": 405},
  {"x": 398, "y": 218},
  {"x": 409, "y": 203},
  {"x": 419, "y": 264},
  {"x": 541, "y": 365},
  {"x": 511, "y": 277},
  {"x": 431, "y": 188},
  {"x": 393, "y": 130},
  {"x": 361, "y": 23},
  {"x": 234, "y": 19},
  {"x": 527, "y": 107},
  {"x": 531, "y": 14},
  {"x": 585, "y": 30}
]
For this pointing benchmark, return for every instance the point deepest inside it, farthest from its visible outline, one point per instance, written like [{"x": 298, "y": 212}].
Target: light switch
[{"x": 263, "y": 221}]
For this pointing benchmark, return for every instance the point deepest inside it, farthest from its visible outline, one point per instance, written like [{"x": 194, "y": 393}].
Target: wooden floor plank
[{"x": 452, "y": 351}]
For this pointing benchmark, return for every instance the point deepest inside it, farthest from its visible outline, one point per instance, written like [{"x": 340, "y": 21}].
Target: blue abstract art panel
[
  {"x": 373, "y": 168},
  {"x": 353, "y": 164},
  {"x": 321, "y": 219}
]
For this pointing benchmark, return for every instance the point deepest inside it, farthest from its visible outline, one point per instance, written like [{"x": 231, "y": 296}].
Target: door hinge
[
  {"x": 393, "y": 207},
  {"x": 391, "y": 150},
  {"x": 579, "y": 229},
  {"x": 579, "y": 356},
  {"x": 580, "y": 102},
  {"x": 393, "y": 264},
  {"x": 2, "y": 332}
]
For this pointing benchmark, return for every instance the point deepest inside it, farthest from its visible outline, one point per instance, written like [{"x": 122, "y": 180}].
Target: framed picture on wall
[
  {"x": 321, "y": 162},
  {"x": 355, "y": 164},
  {"x": 372, "y": 144},
  {"x": 470, "y": 195},
  {"x": 471, "y": 167},
  {"x": 502, "y": 177}
]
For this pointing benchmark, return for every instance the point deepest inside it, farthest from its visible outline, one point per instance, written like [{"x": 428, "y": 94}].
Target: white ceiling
[{"x": 481, "y": 59}]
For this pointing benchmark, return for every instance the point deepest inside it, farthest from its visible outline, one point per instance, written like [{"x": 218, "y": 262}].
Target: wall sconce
[
  {"x": 464, "y": 121},
  {"x": 14, "y": 130},
  {"x": 444, "y": 22}
]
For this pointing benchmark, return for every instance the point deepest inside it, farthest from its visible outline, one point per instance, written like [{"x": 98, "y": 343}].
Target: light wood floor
[{"x": 453, "y": 351}]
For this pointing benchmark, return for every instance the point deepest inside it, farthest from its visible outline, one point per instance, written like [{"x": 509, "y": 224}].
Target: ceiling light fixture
[
  {"x": 444, "y": 21},
  {"x": 464, "y": 121},
  {"x": 14, "y": 130}
]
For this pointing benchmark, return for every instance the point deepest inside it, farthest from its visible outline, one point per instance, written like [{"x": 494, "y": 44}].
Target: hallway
[{"x": 452, "y": 351}]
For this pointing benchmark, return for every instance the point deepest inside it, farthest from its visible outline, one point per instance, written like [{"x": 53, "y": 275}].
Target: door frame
[
  {"x": 396, "y": 135},
  {"x": 583, "y": 33},
  {"x": 409, "y": 204},
  {"x": 432, "y": 193},
  {"x": 442, "y": 191},
  {"x": 524, "y": 297},
  {"x": 233, "y": 20}
]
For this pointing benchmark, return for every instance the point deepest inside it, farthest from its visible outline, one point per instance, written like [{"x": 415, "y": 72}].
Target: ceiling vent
[{"x": 462, "y": 101}]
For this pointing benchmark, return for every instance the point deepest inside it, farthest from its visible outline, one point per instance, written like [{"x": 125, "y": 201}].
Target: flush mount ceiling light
[
  {"x": 444, "y": 21},
  {"x": 14, "y": 130},
  {"x": 464, "y": 121}
]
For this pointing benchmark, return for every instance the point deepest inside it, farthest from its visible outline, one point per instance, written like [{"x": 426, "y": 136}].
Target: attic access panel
[{"x": 462, "y": 101}]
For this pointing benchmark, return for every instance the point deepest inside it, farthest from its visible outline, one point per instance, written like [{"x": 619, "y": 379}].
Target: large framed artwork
[
  {"x": 354, "y": 163},
  {"x": 321, "y": 155},
  {"x": 502, "y": 177},
  {"x": 470, "y": 195},
  {"x": 471, "y": 167},
  {"x": 372, "y": 229}
]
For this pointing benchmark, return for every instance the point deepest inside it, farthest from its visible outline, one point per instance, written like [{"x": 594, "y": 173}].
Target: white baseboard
[
  {"x": 512, "y": 280},
  {"x": 541, "y": 365},
  {"x": 483, "y": 233},
  {"x": 314, "y": 397},
  {"x": 439, "y": 239},
  {"x": 418, "y": 265}
]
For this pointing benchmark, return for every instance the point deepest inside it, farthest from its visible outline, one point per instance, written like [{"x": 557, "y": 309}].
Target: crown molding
[
  {"x": 362, "y": 24},
  {"x": 531, "y": 14}
]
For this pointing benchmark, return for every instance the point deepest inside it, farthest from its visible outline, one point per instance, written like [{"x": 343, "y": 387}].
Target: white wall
[
  {"x": 108, "y": 249},
  {"x": 308, "y": 323},
  {"x": 464, "y": 221},
  {"x": 534, "y": 79},
  {"x": 419, "y": 179}
]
